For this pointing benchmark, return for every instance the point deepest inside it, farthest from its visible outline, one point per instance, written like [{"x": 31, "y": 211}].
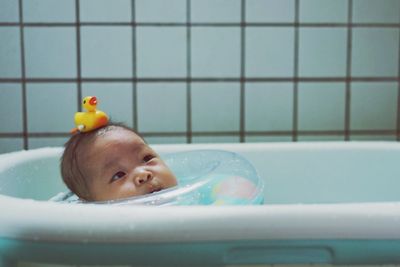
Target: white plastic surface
[{"x": 42, "y": 220}]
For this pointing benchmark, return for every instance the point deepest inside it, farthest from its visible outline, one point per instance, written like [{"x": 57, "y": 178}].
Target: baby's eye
[
  {"x": 117, "y": 176},
  {"x": 148, "y": 157}
]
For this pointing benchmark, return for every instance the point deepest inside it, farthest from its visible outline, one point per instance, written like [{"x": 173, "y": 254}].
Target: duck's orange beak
[{"x": 93, "y": 101}]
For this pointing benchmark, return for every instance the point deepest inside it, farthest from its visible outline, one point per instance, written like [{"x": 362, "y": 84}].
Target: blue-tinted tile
[
  {"x": 386, "y": 11},
  {"x": 269, "y": 52},
  {"x": 50, "y": 52},
  {"x": 320, "y": 138},
  {"x": 10, "y": 145},
  {"x": 269, "y": 106},
  {"x": 321, "y": 106},
  {"x": 9, "y": 11},
  {"x": 270, "y": 10},
  {"x": 49, "y": 11},
  {"x": 216, "y": 139},
  {"x": 317, "y": 11},
  {"x": 215, "y": 107},
  {"x": 10, "y": 107},
  {"x": 355, "y": 137},
  {"x": 47, "y": 142},
  {"x": 105, "y": 11},
  {"x": 106, "y": 51},
  {"x": 10, "y": 53},
  {"x": 375, "y": 52},
  {"x": 260, "y": 139},
  {"x": 166, "y": 140},
  {"x": 322, "y": 52},
  {"x": 215, "y": 52},
  {"x": 373, "y": 106},
  {"x": 161, "y": 52},
  {"x": 51, "y": 107},
  {"x": 161, "y": 107},
  {"x": 160, "y": 11},
  {"x": 215, "y": 11},
  {"x": 114, "y": 98}
]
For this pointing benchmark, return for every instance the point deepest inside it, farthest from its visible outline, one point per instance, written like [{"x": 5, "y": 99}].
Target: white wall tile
[
  {"x": 10, "y": 52},
  {"x": 161, "y": 107},
  {"x": 373, "y": 106},
  {"x": 49, "y": 11},
  {"x": 10, "y": 144},
  {"x": 320, "y": 11},
  {"x": 215, "y": 11},
  {"x": 375, "y": 52},
  {"x": 270, "y": 10},
  {"x": 378, "y": 137},
  {"x": 269, "y": 52},
  {"x": 10, "y": 107},
  {"x": 269, "y": 106},
  {"x": 383, "y": 11},
  {"x": 51, "y": 107},
  {"x": 9, "y": 11},
  {"x": 258, "y": 139},
  {"x": 160, "y": 11},
  {"x": 311, "y": 138},
  {"x": 215, "y": 107},
  {"x": 106, "y": 52},
  {"x": 322, "y": 52},
  {"x": 50, "y": 52},
  {"x": 161, "y": 52},
  {"x": 321, "y": 106},
  {"x": 215, "y": 52},
  {"x": 105, "y": 10}
]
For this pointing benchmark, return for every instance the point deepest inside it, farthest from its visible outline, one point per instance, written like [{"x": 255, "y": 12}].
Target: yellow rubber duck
[{"x": 91, "y": 119}]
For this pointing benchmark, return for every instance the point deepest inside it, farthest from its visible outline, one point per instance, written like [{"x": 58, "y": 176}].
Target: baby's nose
[{"x": 142, "y": 177}]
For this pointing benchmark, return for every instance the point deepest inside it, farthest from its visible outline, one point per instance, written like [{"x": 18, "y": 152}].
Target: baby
[{"x": 113, "y": 162}]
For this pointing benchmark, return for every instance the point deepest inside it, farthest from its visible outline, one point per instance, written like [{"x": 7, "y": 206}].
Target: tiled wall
[{"x": 201, "y": 70}]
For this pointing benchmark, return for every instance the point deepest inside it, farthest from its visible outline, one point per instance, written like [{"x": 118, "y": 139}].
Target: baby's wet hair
[{"x": 70, "y": 163}]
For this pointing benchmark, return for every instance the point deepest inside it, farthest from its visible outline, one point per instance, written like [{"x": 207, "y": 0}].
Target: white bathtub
[{"x": 330, "y": 203}]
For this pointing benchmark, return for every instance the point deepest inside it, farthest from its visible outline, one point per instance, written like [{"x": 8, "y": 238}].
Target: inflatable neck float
[{"x": 205, "y": 177}]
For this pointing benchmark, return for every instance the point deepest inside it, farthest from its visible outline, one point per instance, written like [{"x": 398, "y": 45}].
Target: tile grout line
[
  {"x": 348, "y": 72},
  {"x": 201, "y": 79},
  {"x": 78, "y": 56},
  {"x": 189, "y": 74},
  {"x": 134, "y": 67},
  {"x": 296, "y": 72},
  {"x": 242, "y": 71},
  {"x": 398, "y": 90},
  {"x": 23, "y": 79},
  {"x": 204, "y": 24}
]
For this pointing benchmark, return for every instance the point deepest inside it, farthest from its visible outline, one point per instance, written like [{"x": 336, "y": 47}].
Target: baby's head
[{"x": 113, "y": 162}]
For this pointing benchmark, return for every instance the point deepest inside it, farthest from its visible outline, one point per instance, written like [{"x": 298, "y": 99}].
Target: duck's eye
[
  {"x": 148, "y": 157},
  {"x": 84, "y": 101},
  {"x": 117, "y": 176}
]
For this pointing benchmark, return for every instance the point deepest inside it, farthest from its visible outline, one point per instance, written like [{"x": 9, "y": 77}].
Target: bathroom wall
[{"x": 193, "y": 71}]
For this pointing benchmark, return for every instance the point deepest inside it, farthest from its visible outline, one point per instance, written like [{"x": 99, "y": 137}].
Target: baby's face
[{"x": 119, "y": 165}]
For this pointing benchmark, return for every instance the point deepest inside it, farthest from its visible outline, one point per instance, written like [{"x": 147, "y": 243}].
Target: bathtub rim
[
  {"x": 86, "y": 223},
  {"x": 49, "y": 221}
]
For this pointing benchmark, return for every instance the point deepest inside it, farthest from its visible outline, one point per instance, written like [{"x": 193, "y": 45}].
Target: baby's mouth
[
  {"x": 155, "y": 187},
  {"x": 155, "y": 190}
]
